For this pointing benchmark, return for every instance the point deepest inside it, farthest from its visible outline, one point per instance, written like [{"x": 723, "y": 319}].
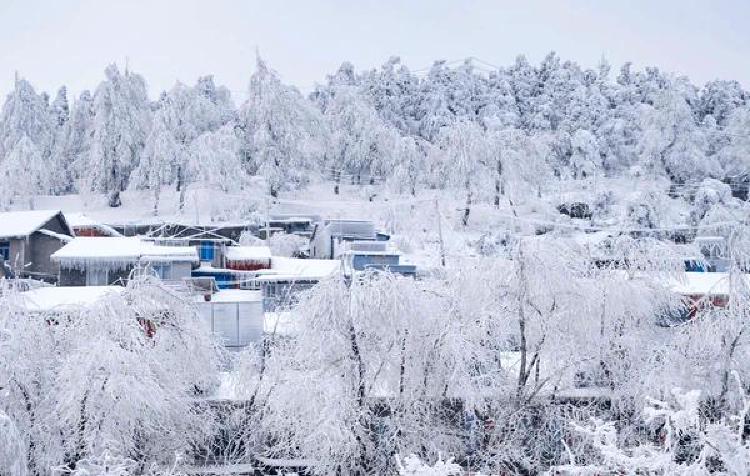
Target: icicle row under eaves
[
  {"x": 109, "y": 263},
  {"x": 118, "y": 263}
]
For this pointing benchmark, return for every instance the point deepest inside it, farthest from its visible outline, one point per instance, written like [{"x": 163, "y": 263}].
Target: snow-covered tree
[
  {"x": 85, "y": 382},
  {"x": 410, "y": 163},
  {"x": 120, "y": 125},
  {"x": 215, "y": 161},
  {"x": 279, "y": 130},
  {"x": 77, "y": 140},
  {"x": 25, "y": 114},
  {"x": 361, "y": 143},
  {"x": 23, "y": 172},
  {"x": 184, "y": 113},
  {"x": 465, "y": 150}
]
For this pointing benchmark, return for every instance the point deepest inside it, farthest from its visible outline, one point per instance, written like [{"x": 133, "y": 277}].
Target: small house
[
  {"x": 28, "y": 239},
  {"x": 82, "y": 225},
  {"x": 99, "y": 261},
  {"x": 330, "y": 236},
  {"x": 363, "y": 256}
]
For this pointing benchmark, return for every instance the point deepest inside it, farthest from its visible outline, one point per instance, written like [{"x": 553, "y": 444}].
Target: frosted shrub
[
  {"x": 413, "y": 466},
  {"x": 283, "y": 244}
]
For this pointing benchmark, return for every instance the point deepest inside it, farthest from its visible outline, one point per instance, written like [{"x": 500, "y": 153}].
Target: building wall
[
  {"x": 237, "y": 324},
  {"x": 58, "y": 226},
  {"x": 181, "y": 270},
  {"x": 359, "y": 262},
  {"x": 40, "y": 249},
  {"x": 77, "y": 277},
  {"x": 72, "y": 277},
  {"x": 89, "y": 231},
  {"x": 249, "y": 265}
]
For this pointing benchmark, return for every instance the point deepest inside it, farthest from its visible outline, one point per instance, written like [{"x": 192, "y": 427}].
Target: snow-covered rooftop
[
  {"x": 233, "y": 295},
  {"x": 52, "y": 298},
  {"x": 704, "y": 284},
  {"x": 54, "y": 234},
  {"x": 243, "y": 253},
  {"x": 120, "y": 250},
  {"x": 79, "y": 219},
  {"x": 23, "y": 223},
  {"x": 293, "y": 269}
]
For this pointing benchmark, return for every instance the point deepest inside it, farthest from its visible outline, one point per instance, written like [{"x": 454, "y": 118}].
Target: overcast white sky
[{"x": 57, "y": 42}]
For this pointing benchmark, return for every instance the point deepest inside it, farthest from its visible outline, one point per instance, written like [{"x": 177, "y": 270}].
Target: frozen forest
[
  {"x": 551, "y": 208},
  {"x": 466, "y": 127}
]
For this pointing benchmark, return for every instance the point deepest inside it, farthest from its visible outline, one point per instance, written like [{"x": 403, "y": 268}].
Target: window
[
  {"x": 5, "y": 250},
  {"x": 164, "y": 271},
  {"x": 97, "y": 276}
]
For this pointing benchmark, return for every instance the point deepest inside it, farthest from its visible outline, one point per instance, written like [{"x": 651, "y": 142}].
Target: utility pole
[
  {"x": 268, "y": 222},
  {"x": 440, "y": 233}
]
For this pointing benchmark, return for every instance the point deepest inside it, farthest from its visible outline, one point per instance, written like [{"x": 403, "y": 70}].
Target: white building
[
  {"x": 98, "y": 261},
  {"x": 329, "y": 236},
  {"x": 235, "y": 316}
]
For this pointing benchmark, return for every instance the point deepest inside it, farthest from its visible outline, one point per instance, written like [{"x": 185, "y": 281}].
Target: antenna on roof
[
  {"x": 16, "y": 78},
  {"x": 127, "y": 64}
]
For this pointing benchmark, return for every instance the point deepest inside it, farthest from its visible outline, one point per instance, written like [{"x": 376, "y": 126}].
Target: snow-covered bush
[
  {"x": 284, "y": 244},
  {"x": 412, "y": 465},
  {"x": 686, "y": 444},
  {"x": 12, "y": 448},
  {"x": 711, "y": 193}
]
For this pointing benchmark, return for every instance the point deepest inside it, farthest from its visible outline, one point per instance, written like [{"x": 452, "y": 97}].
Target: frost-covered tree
[
  {"x": 25, "y": 114},
  {"x": 410, "y": 163},
  {"x": 465, "y": 151},
  {"x": 215, "y": 161},
  {"x": 119, "y": 377},
  {"x": 27, "y": 131},
  {"x": 62, "y": 179},
  {"x": 184, "y": 113},
  {"x": 735, "y": 156},
  {"x": 120, "y": 125},
  {"x": 585, "y": 158},
  {"x": 671, "y": 139},
  {"x": 77, "y": 141},
  {"x": 24, "y": 173},
  {"x": 279, "y": 130},
  {"x": 12, "y": 458},
  {"x": 162, "y": 157},
  {"x": 361, "y": 143},
  {"x": 396, "y": 352}
]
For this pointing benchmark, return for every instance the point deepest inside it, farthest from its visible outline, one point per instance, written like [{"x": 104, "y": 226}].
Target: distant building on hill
[
  {"x": 363, "y": 256},
  {"x": 329, "y": 236}
]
